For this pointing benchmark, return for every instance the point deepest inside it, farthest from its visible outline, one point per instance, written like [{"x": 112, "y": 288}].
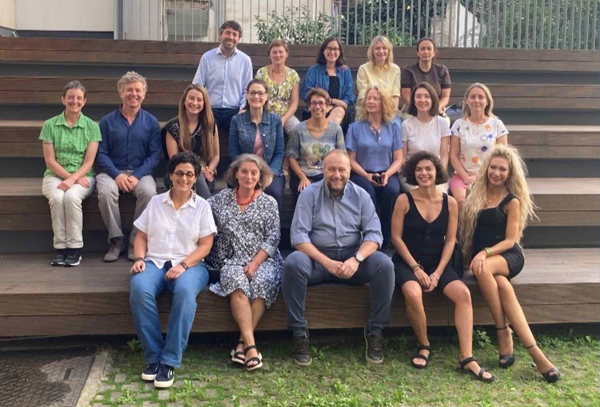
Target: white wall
[
  {"x": 64, "y": 15},
  {"x": 7, "y": 13}
]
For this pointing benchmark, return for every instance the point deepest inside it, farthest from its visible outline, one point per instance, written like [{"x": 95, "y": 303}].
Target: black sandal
[
  {"x": 235, "y": 354},
  {"x": 552, "y": 375},
  {"x": 478, "y": 376},
  {"x": 419, "y": 355},
  {"x": 506, "y": 361},
  {"x": 257, "y": 359}
]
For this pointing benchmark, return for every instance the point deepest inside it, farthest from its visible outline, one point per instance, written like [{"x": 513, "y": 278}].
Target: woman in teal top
[{"x": 70, "y": 143}]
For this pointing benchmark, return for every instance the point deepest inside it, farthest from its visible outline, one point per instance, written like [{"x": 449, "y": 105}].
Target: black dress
[
  {"x": 491, "y": 229},
  {"x": 425, "y": 242}
]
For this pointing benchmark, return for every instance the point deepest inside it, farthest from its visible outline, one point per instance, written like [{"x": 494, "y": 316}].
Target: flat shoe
[
  {"x": 258, "y": 359},
  {"x": 419, "y": 355},
  {"x": 235, "y": 355},
  {"x": 478, "y": 376}
]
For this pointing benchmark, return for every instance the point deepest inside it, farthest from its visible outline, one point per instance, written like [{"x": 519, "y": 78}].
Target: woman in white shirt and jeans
[
  {"x": 175, "y": 234},
  {"x": 425, "y": 130}
]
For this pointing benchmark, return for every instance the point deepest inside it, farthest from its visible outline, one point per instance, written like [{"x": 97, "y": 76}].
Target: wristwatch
[{"x": 359, "y": 257}]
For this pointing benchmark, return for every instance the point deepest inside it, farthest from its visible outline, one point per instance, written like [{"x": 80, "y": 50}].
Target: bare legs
[
  {"x": 459, "y": 294},
  {"x": 502, "y": 300},
  {"x": 336, "y": 115},
  {"x": 247, "y": 315}
]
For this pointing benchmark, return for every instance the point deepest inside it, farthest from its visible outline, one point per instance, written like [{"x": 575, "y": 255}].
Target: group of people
[{"x": 343, "y": 173}]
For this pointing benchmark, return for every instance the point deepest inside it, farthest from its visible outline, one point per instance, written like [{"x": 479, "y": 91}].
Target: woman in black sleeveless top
[
  {"x": 492, "y": 222},
  {"x": 424, "y": 233}
]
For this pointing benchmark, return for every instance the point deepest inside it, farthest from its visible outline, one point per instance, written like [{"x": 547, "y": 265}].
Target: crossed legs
[{"x": 503, "y": 303}]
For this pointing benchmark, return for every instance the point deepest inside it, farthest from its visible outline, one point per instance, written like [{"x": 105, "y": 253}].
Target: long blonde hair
[
  {"x": 206, "y": 120},
  {"x": 516, "y": 184},
  {"x": 386, "y": 43},
  {"x": 387, "y": 106}
]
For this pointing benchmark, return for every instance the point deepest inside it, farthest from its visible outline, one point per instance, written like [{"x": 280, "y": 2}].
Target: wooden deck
[{"x": 556, "y": 286}]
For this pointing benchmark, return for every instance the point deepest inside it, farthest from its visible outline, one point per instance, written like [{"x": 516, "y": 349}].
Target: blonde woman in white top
[
  {"x": 473, "y": 137},
  {"x": 425, "y": 130}
]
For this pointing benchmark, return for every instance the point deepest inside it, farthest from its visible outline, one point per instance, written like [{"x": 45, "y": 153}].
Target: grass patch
[{"x": 340, "y": 377}]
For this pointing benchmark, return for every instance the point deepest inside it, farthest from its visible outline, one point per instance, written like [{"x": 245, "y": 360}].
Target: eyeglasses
[
  {"x": 331, "y": 49},
  {"x": 320, "y": 104},
  {"x": 257, "y": 93},
  {"x": 180, "y": 174}
]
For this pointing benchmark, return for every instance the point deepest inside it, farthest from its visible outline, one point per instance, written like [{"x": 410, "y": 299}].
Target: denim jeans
[
  {"x": 144, "y": 288},
  {"x": 384, "y": 199},
  {"x": 299, "y": 271}
]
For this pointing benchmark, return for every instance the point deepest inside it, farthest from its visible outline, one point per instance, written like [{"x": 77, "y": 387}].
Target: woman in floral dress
[{"x": 246, "y": 251}]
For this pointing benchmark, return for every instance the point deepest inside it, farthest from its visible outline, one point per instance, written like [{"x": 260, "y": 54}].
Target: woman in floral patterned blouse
[{"x": 283, "y": 83}]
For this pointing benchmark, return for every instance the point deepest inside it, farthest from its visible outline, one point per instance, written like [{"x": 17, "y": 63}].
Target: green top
[
  {"x": 70, "y": 144},
  {"x": 280, "y": 94}
]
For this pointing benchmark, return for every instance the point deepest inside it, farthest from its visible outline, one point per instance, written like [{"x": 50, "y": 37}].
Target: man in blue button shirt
[
  {"x": 225, "y": 72},
  {"x": 336, "y": 233},
  {"x": 129, "y": 152}
]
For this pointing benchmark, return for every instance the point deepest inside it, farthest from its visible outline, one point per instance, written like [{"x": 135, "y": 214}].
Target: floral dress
[
  {"x": 280, "y": 94},
  {"x": 240, "y": 236}
]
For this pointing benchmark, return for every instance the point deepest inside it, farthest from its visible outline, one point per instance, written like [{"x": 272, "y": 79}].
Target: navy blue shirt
[{"x": 135, "y": 147}]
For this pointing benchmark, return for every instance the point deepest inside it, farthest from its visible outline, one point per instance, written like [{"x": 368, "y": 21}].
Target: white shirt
[
  {"x": 174, "y": 234},
  {"x": 476, "y": 140},
  {"x": 418, "y": 136}
]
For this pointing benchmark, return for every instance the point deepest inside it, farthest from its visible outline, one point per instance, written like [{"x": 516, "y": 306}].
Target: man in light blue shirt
[
  {"x": 225, "y": 72},
  {"x": 336, "y": 234}
]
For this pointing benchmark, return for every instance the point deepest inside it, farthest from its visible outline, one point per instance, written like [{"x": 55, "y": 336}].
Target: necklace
[{"x": 237, "y": 199}]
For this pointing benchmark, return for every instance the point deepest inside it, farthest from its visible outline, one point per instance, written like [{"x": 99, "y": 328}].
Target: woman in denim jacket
[
  {"x": 257, "y": 131},
  {"x": 331, "y": 73}
]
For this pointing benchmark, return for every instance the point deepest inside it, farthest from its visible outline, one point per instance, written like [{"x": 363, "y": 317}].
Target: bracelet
[
  {"x": 184, "y": 265},
  {"x": 488, "y": 252},
  {"x": 138, "y": 259},
  {"x": 436, "y": 277},
  {"x": 416, "y": 266}
]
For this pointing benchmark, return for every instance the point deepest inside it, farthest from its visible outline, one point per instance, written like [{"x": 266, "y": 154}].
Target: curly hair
[
  {"x": 316, "y": 91},
  {"x": 387, "y": 106},
  {"x": 184, "y": 157},
  {"x": 476, "y": 201},
  {"x": 265, "y": 172},
  {"x": 408, "y": 171}
]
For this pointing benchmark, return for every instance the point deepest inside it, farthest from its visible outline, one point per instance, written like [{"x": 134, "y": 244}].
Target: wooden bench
[
  {"x": 85, "y": 51},
  {"x": 19, "y": 138},
  {"x": 562, "y": 202},
  {"x": 556, "y": 286},
  {"x": 167, "y": 92}
]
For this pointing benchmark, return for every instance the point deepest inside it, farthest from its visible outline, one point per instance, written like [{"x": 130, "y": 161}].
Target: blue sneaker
[
  {"x": 164, "y": 377},
  {"x": 150, "y": 372}
]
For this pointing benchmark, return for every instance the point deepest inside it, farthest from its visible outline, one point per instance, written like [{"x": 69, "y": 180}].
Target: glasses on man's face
[
  {"x": 257, "y": 93},
  {"x": 320, "y": 103},
  {"x": 180, "y": 174},
  {"x": 332, "y": 49}
]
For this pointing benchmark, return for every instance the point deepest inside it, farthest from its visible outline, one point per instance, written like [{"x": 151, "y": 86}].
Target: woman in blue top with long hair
[{"x": 331, "y": 73}]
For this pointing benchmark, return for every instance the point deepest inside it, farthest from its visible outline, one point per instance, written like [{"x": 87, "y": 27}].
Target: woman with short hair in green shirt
[{"x": 70, "y": 142}]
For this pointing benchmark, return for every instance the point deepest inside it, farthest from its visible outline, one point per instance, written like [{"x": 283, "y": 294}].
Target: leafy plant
[
  {"x": 296, "y": 25},
  {"x": 482, "y": 338},
  {"x": 134, "y": 345}
]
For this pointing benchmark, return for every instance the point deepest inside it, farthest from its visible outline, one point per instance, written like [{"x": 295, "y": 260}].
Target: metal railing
[{"x": 528, "y": 24}]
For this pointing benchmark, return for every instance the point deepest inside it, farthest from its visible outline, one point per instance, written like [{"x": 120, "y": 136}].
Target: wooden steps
[
  {"x": 82, "y": 51},
  {"x": 562, "y": 202},
  {"x": 19, "y": 138},
  {"x": 556, "y": 286},
  {"x": 167, "y": 92}
]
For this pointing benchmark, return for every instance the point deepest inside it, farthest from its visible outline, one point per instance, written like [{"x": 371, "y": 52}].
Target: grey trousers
[
  {"x": 299, "y": 271},
  {"x": 108, "y": 201}
]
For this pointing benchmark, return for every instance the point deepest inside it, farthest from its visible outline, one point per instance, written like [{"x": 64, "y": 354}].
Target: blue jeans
[
  {"x": 384, "y": 199},
  {"x": 144, "y": 288}
]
